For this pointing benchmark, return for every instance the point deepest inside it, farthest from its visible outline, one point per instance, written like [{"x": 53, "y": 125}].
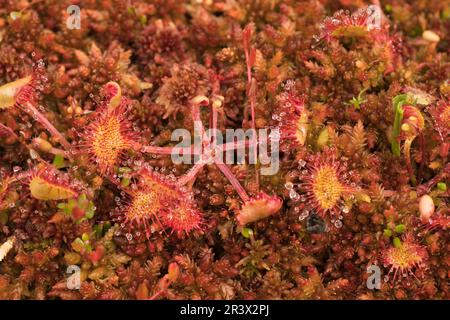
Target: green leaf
[
  {"x": 397, "y": 242},
  {"x": 58, "y": 161},
  {"x": 125, "y": 182},
  {"x": 106, "y": 226},
  {"x": 442, "y": 186},
  {"x": 61, "y": 205},
  {"x": 88, "y": 247},
  {"x": 98, "y": 228},
  {"x": 85, "y": 237},
  {"x": 400, "y": 228},
  {"x": 387, "y": 233},
  {"x": 398, "y": 102},
  {"x": 70, "y": 205},
  {"x": 247, "y": 232}
]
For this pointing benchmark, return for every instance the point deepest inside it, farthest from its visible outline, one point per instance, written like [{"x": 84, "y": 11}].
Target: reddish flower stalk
[
  {"x": 169, "y": 150},
  {"x": 30, "y": 109},
  {"x": 250, "y": 56},
  {"x": 7, "y": 131},
  {"x": 234, "y": 181},
  {"x": 191, "y": 174},
  {"x": 412, "y": 125}
]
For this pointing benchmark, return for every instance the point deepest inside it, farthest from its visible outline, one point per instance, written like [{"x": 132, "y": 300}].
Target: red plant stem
[
  {"x": 234, "y": 145},
  {"x": 9, "y": 131},
  {"x": 251, "y": 94},
  {"x": 233, "y": 180},
  {"x": 192, "y": 173},
  {"x": 214, "y": 117},
  {"x": 169, "y": 150},
  {"x": 156, "y": 295},
  {"x": 255, "y": 143},
  {"x": 57, "y": 151},
  {"x": 190, "y": 150},
  {"x": 31, "y": 110},
  {"x": 407, "y": 150},
  {"x": 195, "y": 112},
  {"x": 424, "y": 156},
  {"x": 13, "y": 134},
  {"x": 115, "y": 182},
  {"x": 21, "y": 176},
  {"x": 425, "y": 188}
]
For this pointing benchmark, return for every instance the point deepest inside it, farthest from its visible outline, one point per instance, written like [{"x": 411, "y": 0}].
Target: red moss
[{"x": 440, "y": 114}]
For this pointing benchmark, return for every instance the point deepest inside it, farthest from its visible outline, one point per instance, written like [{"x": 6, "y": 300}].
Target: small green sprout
[
  {"x": 247, "y": 232},
  {"x": 397, "y": 242},
  {"x": 394, "y": 231},
  {"x": 80, "y": 209},
  {"x": 58, "y": 161},
  {"x": 358, "y": 101},
  {"x": 123, "y": 172},
  {"x": 400, "y": 228},
  {"x": 143, "y": 19},
  {"x": 398, "y": 102},
  {"x": 82, "y": 245},
  {"x": 442, "y": 186},
  {"x": 101, "y": 229}
]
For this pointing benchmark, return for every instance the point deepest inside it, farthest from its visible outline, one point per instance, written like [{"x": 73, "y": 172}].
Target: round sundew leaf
[
  {"x": 115, "y": 92},
  {"x": 8, "y": 92},
  {"x": 350, "y": 31},
  {"x": 44, "y": 190},
  {"x": 259, "y": 208}
]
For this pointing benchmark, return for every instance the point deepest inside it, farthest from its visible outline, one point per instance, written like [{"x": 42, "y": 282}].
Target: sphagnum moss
[{"x": 360, "y": 96}]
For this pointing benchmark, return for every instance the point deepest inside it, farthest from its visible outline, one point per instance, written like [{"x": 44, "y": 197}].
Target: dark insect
[{"x": 315, "y": 224}]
